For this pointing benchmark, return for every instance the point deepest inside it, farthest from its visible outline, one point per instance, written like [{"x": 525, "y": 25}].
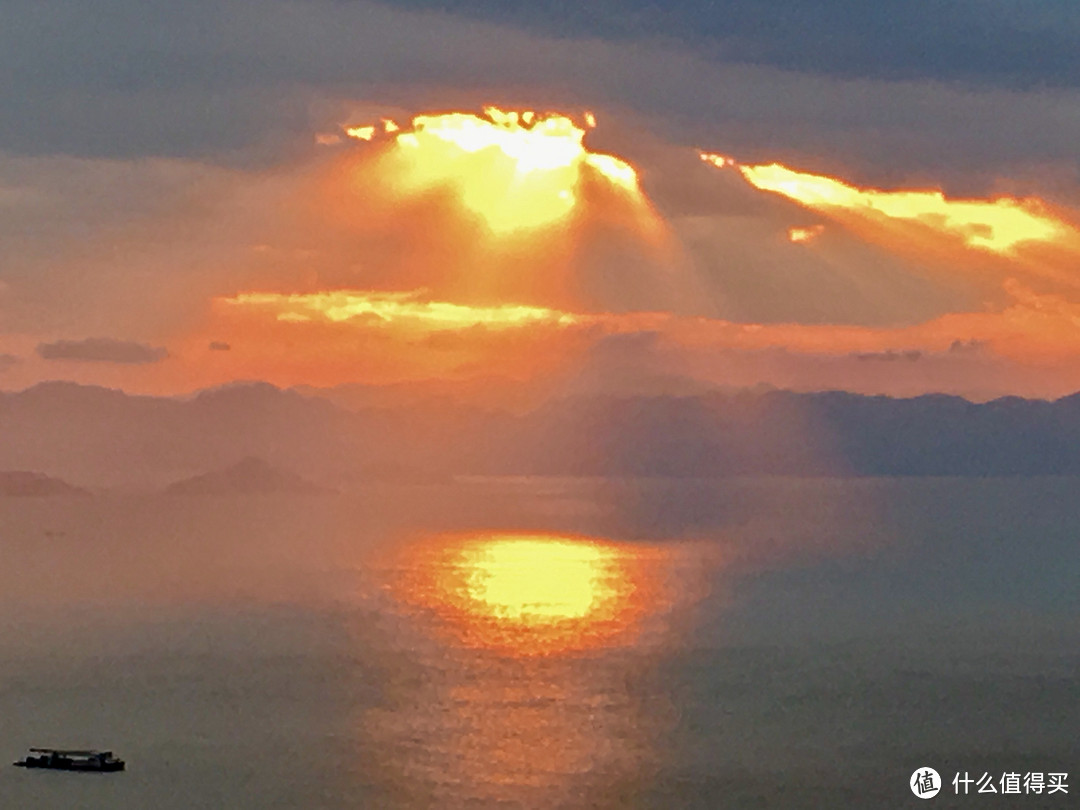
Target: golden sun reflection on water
[
  {"x": 526, "y": 595},
  {"x": 532, "y": 581},
  {"x": 531, "y": 662}
]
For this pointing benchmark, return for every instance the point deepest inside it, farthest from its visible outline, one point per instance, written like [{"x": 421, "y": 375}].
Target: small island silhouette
[
  {"x": 250, "y": 475},
  {"x": 22, "y": 483}
]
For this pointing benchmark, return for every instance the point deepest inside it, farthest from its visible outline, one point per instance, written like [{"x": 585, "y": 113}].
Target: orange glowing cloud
[
  {"x": 809, "y": 233},
  {"x": 1001, "y": 225},
  {"x": 407, "y": 309},
  {"x": 1031, "y": 328},
  {"x": 378, "y": 336},
  {"x": 515, "y": 170},
  {"x": 717, "y": 160},
  {"x": 383, "y": 337},
  {"x": 365, "y": 133}
]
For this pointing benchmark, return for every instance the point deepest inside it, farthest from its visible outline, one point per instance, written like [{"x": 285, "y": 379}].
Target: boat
[{"x": 60, "y": 759}]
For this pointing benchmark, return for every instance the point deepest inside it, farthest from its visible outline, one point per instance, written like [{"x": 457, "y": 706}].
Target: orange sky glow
[
  {"x": 399, "y": 308},
  {"x": 499, "y": 244}
]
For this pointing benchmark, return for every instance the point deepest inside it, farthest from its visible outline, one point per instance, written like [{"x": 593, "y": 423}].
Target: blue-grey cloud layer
[
  {"x": 1014, "y": 43},
  {"x": 967, "y": 86}
]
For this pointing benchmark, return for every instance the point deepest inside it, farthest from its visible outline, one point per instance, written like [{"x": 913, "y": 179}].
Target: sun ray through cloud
[
  {"x": 1002, "y": 225},
  {"x": 515, "y": 170}
]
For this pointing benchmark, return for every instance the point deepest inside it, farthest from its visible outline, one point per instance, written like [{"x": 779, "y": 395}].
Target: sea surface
[{"x": 544, "y": 643}]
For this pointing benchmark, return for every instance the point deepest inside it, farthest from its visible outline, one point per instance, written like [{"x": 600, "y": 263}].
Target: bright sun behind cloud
[{"x": 515, "y": 170}]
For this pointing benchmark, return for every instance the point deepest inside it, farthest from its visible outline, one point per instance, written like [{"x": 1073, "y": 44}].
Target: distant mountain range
[{"x": 100, "y": 437}]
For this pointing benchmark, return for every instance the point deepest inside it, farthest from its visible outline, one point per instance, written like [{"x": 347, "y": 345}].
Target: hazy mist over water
[{"x": 794, "y": 643}]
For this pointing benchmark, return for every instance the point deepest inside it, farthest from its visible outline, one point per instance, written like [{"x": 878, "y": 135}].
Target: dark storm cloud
[
  {"x": 987, "y": 85},
  {"x": 102, "y": 350},
  {"x": 1018, "y": 43}
]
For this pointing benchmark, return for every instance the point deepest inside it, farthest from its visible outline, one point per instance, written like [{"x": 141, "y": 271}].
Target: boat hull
[{"x": 106, "y": 767}]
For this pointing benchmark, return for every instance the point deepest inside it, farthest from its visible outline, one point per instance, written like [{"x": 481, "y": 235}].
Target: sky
[{"x": 882, "y": 198}]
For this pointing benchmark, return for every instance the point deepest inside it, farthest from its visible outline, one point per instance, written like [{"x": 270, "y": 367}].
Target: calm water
[{"x": 769, "y": 643}]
